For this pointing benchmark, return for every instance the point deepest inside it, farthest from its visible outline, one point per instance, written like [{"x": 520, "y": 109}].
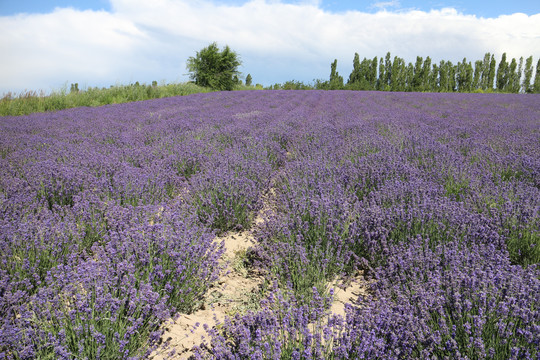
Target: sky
[{"x": 49, "y": 44}]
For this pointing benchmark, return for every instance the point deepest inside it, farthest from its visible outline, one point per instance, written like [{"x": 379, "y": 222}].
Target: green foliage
[
  {"x": 214, "y": 68},
  {"x": 225, "y": 210},
  {"x": 248, "y": 80},
  {"x": 456, "y": 189},
  {"x": 522, "y": 241}
]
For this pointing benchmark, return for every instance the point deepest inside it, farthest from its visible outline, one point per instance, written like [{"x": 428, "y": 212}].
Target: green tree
[
  {"x": 409, "y": 77},
  {"x": 355, "y": 76},
  {"x": 443, "y": 76},
  {"x": 491, "y": 74},
  {"x": 426, "y": 74},
  {"x": 511, "y": 76},
  {"x": 484, "y": 82},
  {"x": 452, "y": 69},
  {"x": 372, "y": 76},
  {"x": 214, "y": 68},
  {"x": 434, "y": 78},
  {"x": 388, "y": 67},
  {"x": 502, "y": 74},
  {"x": 477, "y": 77},
  {"x": 248, "y": 80},
  {"x": 336, "y": 81},
  {"x": 536, "y": 88},
  {"x": 363, "y": 75},
  {"x": 416, "y": 81},
  {"x": 515, "y": 75},
  {"x": 527, "y": 75},
  {"x": 398, "y": 74},
  {"x": 382, "y": 76},
  {"x": 464, "y": 75}
]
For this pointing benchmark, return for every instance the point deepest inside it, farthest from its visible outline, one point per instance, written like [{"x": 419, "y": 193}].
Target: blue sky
[
  {"x": 48, "y": 44},
  {"x": 481, "y": 8}
]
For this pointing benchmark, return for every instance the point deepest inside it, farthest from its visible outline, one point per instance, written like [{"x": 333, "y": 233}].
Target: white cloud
[{"x": 142, "y": 40}]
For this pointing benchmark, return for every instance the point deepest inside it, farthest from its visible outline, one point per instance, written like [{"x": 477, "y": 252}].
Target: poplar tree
[
  {"x": 354, "y": 77},
  {"x": 388, "y": 68},
  {"x": 511, "y": 76},
  {"x": 502, "y": 74},
  {"x": 491, "y": 76},
  {"x": 485, "y": 72},
  {"x": 527, "y": 75},
  {"x": 452, "y": 76},
  {"x": 443, "y": 76},
  {"x": 536, "y": 88},
  {"x": 382, "y": 76},
  {"x": 433, "y": 83},
  {"x": 416, "y": 81},
  {"x": 426, "y": 74},
  {"x": 409, "y": 77},
  {"x": 516, "y": 76},
  {"x": 336, "y": 81},
  {"x": 372, "y": 76},
  {"x": 398, "y": 74},
  {"x": 477, "y": 77}
]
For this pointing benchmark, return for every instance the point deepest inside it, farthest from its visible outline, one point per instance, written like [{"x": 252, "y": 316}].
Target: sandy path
[{"x": 237, "y": 291}]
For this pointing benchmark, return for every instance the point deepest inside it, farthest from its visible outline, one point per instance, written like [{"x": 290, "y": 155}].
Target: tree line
[{"x": 394, "y": 74}]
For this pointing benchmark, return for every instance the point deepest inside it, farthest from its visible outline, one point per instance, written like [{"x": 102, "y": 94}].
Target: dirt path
[
  {"x": 238, "y": 291},
  {"x": 235, "y": 291}
]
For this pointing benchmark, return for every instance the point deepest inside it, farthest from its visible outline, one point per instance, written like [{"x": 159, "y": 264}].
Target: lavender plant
[{"x": 108, "y": 219}]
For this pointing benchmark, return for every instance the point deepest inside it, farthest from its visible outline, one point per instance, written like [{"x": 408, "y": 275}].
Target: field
[{"x": 115, "y": 225}]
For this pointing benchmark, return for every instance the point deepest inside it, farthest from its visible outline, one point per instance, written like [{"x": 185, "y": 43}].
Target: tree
[
  {"x": 528, "y": 75},
  {"x": 491, "y": 74},
  {"x": 336, "y": 81},
  {"x": 355, "y": 75},
  {"x": 416, "y": 81},
  {"x": 464, "y": 75},
  {"x": 397, "y": 72},
  {"x": 248, "y": 80},
  {"x": 443, "y": 76},
  {"x": 434, "y": 78},
  {"x": 426, "y": 74},
  {"x": 388, "y": 67},
  {"x": 502, "y": 74},
  {"x": 511, "y": 84},
  {"x": 382, "y": 76},
  {"x": 372, "y": 75},
  {"x": 536, "y": 88},
  {"x": 517, "y": 76},
  {"x": 409, "y": 76},
  {"x": 213, "y": 68},
  {"x": 477, "y": 77},
  {"x": 485, "y": 73}
]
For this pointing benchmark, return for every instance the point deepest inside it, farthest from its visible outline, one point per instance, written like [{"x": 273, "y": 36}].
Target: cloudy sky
[{"x": 47, "y": 44}]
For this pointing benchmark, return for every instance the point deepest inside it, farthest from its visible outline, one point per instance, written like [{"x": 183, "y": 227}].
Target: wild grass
[{"x": 33, "y": 101}]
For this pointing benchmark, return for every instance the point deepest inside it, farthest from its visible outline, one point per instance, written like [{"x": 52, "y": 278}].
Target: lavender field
[{"x": 111, "y": 220}]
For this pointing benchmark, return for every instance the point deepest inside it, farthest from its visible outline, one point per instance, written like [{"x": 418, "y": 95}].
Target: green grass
[
  {"x": 29, "y": 102},
  {"x": 32, "y": 101}
]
